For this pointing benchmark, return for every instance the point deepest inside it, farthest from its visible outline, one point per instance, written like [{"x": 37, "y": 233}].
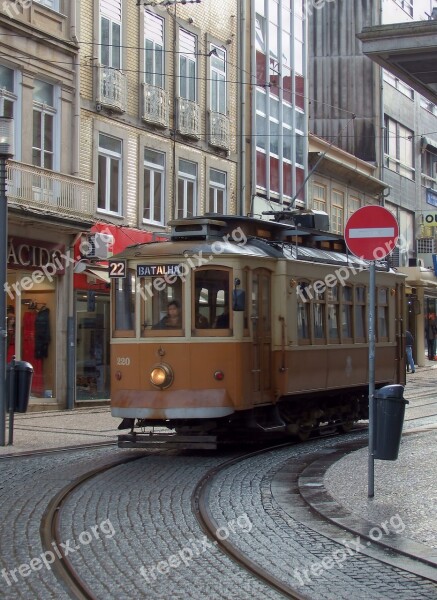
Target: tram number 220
[{"x": 123, "y": 361}]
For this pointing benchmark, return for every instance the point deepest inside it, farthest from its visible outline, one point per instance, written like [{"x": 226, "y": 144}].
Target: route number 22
[{"x": 117, "y": 269}]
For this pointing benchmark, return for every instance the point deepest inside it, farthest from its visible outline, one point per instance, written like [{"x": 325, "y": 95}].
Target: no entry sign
[{"x": 371, "y": 232}]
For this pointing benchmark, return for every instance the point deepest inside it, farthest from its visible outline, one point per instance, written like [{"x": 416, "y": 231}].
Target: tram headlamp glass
[{"x": 161, "y": 376}]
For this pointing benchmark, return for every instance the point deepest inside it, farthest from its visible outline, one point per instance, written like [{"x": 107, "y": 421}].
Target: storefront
[
  {"x": 36, "y": 288},
  {"x": 92, "y": 311}
]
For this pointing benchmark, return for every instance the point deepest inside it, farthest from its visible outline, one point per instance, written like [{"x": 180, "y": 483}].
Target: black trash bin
[
  {"x": 19, "y": 374},
  {"x": 389, "y": 420}
]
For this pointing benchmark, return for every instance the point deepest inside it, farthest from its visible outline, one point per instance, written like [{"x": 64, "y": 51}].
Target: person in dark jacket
[{"x": 409, "y": 342}]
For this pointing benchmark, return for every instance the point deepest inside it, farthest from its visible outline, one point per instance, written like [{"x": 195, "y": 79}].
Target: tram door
[{"x": 262, "y": 337}]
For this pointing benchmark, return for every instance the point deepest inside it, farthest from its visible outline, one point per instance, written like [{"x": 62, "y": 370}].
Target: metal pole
[
  {"x": 3, "y": 284},
  {"x": 372, "y": 297},
  {"x": 11, "y": 394}
]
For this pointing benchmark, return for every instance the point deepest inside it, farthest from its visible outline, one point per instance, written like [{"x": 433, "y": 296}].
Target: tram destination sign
[
  {"x": 371, "y": 232},
  {"x": 158, "y": 270}
]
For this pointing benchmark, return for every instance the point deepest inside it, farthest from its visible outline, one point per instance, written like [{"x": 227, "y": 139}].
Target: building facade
[{"x": 370, "y": 113}]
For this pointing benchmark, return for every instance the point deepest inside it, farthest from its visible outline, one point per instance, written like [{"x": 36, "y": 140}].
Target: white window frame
[
  {"x": 154, "y": 169},
  {"x": 52, "y": 111},
  {"x": 216, "y": 188},
  {"x": 188, "y": 53},
  {"x": 110, "y": 10},
  {"x": 53, "y": 4},
  {"x": 111, "y": 155},
  {"x": 14, "y": 96},
  {"x": 185, "y": 180},
  {"x": 319, "y": 200},
  {"x": 337, "y": 211},
  {"x": 153, "y": 37},
  {"x": 218, "y": 77},
  {"x": 397, "y": 141}
]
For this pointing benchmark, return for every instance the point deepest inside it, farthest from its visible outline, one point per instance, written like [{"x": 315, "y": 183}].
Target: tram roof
[{"x": 222, "y": 235}]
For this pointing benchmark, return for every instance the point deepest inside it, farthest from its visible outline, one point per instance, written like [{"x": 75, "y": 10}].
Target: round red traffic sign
[{"x": 371, "y": 232}]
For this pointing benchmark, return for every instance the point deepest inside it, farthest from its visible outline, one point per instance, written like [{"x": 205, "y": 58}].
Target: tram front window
[
  {"x": 161, "y": 308},
  {"x": 211, "y": 300}
]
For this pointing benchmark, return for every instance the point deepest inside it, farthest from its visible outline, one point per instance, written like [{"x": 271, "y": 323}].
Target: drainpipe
[
  {"x": 241, "y": 203},
  {"x": 71, "y": 334}
]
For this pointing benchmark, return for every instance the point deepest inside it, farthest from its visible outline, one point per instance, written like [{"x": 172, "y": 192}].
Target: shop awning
[{"x": 100, "y": 274}]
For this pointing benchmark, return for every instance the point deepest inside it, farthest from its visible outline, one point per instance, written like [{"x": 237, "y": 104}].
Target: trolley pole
[{"x": 372, "y": 298}]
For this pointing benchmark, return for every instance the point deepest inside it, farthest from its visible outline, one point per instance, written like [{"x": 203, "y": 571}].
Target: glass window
[
  {"x": 211, "y": 300},
  {"x": 303, "y": 312},
  {"x": 43, "y": 125},
  {"x": 187, "y": 189},
  {"x": 218, "y": 79},
  {"x": 154, "y": 186},
  {"x": 333, "y": 313},
  {"x": 346, "y": 312},
  {"x": 187, "y": 65},
  {"x": 124, "y": 303},
  {"x": 354, "y": 204},
  {"x": 319, "y": 314},
  {"x": 53, "y": 4},
  {"x": 110, "y": 33},
  {"x": 382, "y": 314},
  {"x": 360, "y": 313},
  {"x": 154, "y": 53},
  {"x": 161, "y": 305},
  {"x": 109, "y": 174},
  {"x": 217, "y": 192},
  {"x": 399, "y": 148},
  {"x": 319, "y": 197},
  {"x": 337, "y": 211}
]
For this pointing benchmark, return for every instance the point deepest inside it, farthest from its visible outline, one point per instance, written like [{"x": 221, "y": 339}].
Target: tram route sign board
[{"x": 371, "y": 232}]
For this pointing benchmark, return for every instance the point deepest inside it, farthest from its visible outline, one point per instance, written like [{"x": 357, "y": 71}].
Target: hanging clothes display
[
  {"x": 28, "y": 352},
  {"x": 42, "y": 333}
]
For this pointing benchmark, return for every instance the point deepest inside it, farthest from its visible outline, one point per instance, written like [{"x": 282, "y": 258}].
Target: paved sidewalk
[{"x": 59, "y": 429}]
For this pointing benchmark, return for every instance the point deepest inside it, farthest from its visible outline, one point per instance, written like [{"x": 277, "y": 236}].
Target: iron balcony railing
[
  {"x": 111, "y": 88},
  {"x": 188, "y": 119},
  {"x": 155, "y": 105},
  {"x": 219, "y": 130},
  {"x": 49, "y": 191}
]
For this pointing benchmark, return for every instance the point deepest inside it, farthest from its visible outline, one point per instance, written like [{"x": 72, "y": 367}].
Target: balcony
[
  {"x": 111, "y": 88},
  {"x": 50, "y": 192},
  {"x": 155, "y": 105},
  {"x": 219, "y": 130},
  {"x": 188, "y": 118}
]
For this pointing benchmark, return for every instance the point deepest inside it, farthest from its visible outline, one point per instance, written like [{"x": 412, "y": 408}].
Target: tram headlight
[{"x": 161, "y": 376}]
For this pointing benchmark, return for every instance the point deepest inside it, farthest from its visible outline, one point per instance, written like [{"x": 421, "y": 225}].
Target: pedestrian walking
[
  {"x": 430, "y": 334},
  {"x": 409, "y": 342}
]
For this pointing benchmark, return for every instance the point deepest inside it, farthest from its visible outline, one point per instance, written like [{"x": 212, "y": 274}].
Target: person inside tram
[
  {"x": 430, "y": 334},
  {"x": 173, "y": 318}
]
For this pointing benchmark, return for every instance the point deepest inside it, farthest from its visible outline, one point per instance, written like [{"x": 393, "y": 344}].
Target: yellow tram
[{"x": 240, "y": 326}]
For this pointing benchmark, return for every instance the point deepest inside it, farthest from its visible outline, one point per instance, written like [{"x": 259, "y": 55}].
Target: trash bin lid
[{"x": 394, "y": 392}]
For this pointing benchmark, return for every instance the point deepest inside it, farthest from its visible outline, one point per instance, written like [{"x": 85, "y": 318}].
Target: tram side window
[
  {"x": 211, "y": 299},
  {"x": 124, "y": 303},
  {"x": 346, "y": 312},
  {"x": 161, "y": 307},
  {"x": 333, "y": 313},
  {"x": 382, "y": 312},
  {"x": 303, "y": 312},
  {"x": 360, "y": 313},
  {"x": 319, "y": 314}
]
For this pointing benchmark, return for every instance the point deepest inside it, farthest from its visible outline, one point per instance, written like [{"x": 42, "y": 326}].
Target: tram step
[{"x": 181, "y": 442}]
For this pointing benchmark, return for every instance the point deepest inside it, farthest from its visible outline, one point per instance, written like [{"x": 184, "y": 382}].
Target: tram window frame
[
  {"x": 382, "y": 320},
  {"x": 245, "y": 286},
  {"x": 347, "y": 314},
  {"x": 157, "y": 294},
  {"x": 210, "y": 330},
  {"x": 318, "y": 304},
  {"x": 360, "y": 313},
  {"x": 118, "y": 332},
  {"x": 303, "y": 310},
  {"x": 332, "y": 297}
]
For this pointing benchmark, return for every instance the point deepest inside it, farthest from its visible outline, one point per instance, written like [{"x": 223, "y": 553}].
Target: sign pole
[{"x": 372, "y": 298}]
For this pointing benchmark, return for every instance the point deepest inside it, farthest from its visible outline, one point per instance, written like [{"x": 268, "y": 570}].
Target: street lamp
[{"x": 6, "y": 151}]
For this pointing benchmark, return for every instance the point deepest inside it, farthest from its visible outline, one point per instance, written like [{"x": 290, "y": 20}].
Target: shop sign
[
  {"x": 36, "y": 254},
  {"x": 158, "y": 270},
  {"x": 430, "y": 219}
]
